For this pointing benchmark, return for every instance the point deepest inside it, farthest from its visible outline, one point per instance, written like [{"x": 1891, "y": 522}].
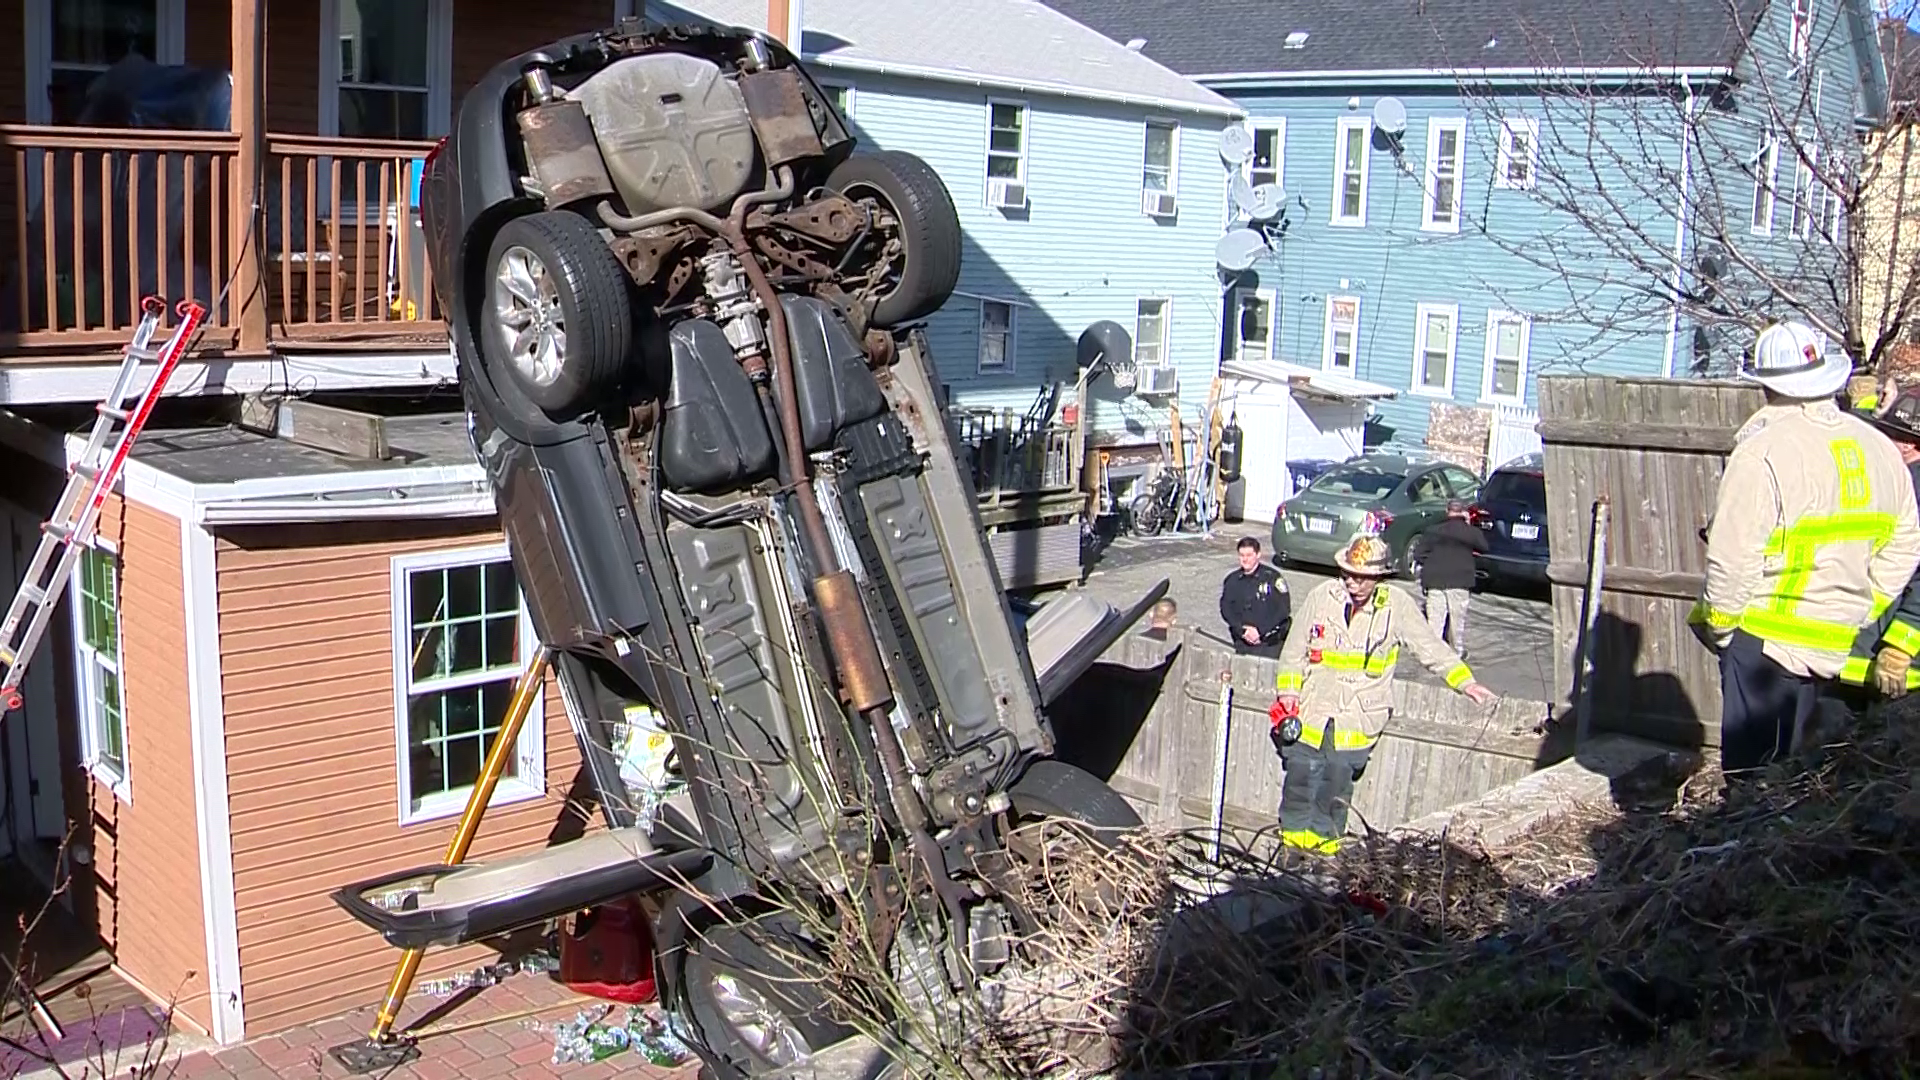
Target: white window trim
[
  {"x": 1766, "y": 171},
  {"x": 828, "y": 87},
  {"x": 1800, "y": 31},
  {"x": 1801, "y": 219},
  {"x": 170, "y": 42},
  {"x": 1272, "y": 299},
  {"x": 1013, "y": 337},
  {"x": 1420, "y": 315},
  {"x": 1834, "y": 215},
  {"x": 120, "y": 782},
  {"x": 1531, "y": 129},
  {"x": 531, "y": 783},
  {"x": 1173, "y": 157},
  {"x": 1166, "y": 326},
  {"x": 987, "y": 152},
  {"x": 439, "y": 68},
  {"x": 1277, "y": 125},
  {"x": 1487, "y": 396},
  {"x": 1436, "y": 126},
  {"x": 1326, "y": 336},
  {"x": 1340, "y": 129}
]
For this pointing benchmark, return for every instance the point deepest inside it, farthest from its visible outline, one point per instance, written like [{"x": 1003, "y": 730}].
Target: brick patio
[{"x": 496, "y": 1036}]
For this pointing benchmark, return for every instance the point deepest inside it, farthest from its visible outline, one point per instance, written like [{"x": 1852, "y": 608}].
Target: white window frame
[
  {"x": 1006, "y": 366},
  {"x": 1806, "y": 201},
  {"x": 1326, "y": 336},
  {"x": 1429, "y": 202},
  {"x": 846, "y": 91},
  {"x": 1496, "y": 316},
  {"x": 1166, "y": 329},
  {"x": 1800, "y": 31},
  {"x": 439, "y": 68},
  {"x": 1271, "y": 298},
  {"x": 170, "y": 41},
  {"x": 1421, "y": 314},
  {"x": 1766, "y": 170},
  {"x": 531, "y": 767},
  {"x": 1835, "y": 216},
  {"x": 988, "y": 153},
  {"x": 1340, "y": 129},
  {"x": 1503, "y": 169},
  {"x": 87, "y": 666},
  {"x": 1277, "y": 125},
  {"x": 1173, "y": 156}
]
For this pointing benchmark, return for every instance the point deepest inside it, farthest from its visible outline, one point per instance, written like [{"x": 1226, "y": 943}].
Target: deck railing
[
  {"x": 1010, "y": 453},
  {"x": 94, "y": 219}
]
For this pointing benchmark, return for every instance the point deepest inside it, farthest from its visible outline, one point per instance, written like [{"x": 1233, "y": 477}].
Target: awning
[{"x": 1306, "y": 380}]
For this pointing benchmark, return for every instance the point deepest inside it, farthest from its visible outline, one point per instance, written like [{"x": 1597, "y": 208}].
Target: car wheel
[
  {"x": 559, "y": 321},
  {"x": 1403, "y": 564},
  {"x": 928, "y": 267},
  {"x": 751, "y": 1007},
  {"x": 1057, "y": 790}
]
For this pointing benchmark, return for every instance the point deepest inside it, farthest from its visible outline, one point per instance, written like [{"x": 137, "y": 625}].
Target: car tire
[
  {"x": 552, "y": 272},
  {"x": 731, "y": 981},
  {"x": 929, "y": 230},
  {"x": 1054, "y": 789}
]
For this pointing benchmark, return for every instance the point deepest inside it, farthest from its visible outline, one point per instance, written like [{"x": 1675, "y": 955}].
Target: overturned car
[{"x": 684, "y": 309}]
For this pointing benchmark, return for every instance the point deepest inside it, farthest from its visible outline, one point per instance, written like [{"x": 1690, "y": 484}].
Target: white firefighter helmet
[{"x": 1792, "y": 360}]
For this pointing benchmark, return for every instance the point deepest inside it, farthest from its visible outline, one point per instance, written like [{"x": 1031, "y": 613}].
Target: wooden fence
[
  {"x": 1150, "y": 721},
  {"x": 1654, "y": 448}
]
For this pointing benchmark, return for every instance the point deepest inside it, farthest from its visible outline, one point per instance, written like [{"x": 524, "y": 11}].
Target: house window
[
  {"x": 72, "y": 41},
  {"x": 460, "y": 640},
  {"x": 1806, "y": 204},
  {"x": 996, "y": 336},
  {"x": 392, "y": 58},
  {"x": 1269, "y": 160},
  {"x": 1519, "y": 153},
  {"x": 103, "y": 696},
  {"x": 1350, "y": 170},
  {"x": 1256, "y": 314},
  {"x": 1507, "y": 344},
  {"x": 1836, "y": 206},
  {"x": 840, "y": 97},
  {"x": 1433, "y": 348},
  {"x": 1150, "y": 332},
  {"x": 1445, "y": 142},
  {"x": 1006, "y": 141},
  {"x": 1766, "y": 164},
  {"x": 1342, "y": 335},
  {"x": 1800, "y": 37},
  {"x": 1159, "y": 169}
]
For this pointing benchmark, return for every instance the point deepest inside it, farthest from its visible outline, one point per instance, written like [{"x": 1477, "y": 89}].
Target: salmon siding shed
[{"x": 275, "y": 674}]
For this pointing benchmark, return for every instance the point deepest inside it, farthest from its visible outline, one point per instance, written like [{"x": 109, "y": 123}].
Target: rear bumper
[{"x": 1298, "y": 545}]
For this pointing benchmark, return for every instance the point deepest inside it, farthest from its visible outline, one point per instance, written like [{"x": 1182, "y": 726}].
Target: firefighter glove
[
  {"x": 1890, "y": 671},
  {"x": 1285, "y": 718}
]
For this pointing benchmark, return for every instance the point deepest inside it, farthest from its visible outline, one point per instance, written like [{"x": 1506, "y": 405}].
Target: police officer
[
  {"x": 1883, "y": 653},
  {"x": 1254, "y": 603},
  {"x": 1814, "y": 533},
  {"x": 1335, "y": 688}
]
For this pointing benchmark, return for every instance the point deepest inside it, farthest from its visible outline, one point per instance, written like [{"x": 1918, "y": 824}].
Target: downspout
[{"x": 1680, "y": 227}]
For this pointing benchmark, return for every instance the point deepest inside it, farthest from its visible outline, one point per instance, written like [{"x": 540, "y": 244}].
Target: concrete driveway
[{"x": 1509, "y": 638}]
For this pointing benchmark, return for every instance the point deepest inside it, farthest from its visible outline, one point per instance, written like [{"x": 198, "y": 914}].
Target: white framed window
[
  {"x": 996, "y": 337},
  {"x": 1806, "y": 193},
  {"x": 97, "y": 645},
  {"x": 1519, "y": 155},
  {"x": 1352, "y": 135},
  {"x": 1150, "y": 323},
  {"x": 1800, "y": 30},
  {"x": 1007, "y": 140},
  {"x": 1160, "y": 161},
  {"x": 1834, "y": 220},
  {"x": 1509, "y": 337},
  {"x": 840, "y": 96},
  {"x": 1340, "y": 348},
  {"x": 386, "y": 68},
  {"x": 1766, "y": 165},
  {"x": 1268, "y": 164},
  {"x": 69, "y": 42},
  {"x": 1436, "y": 333},
  {"x": 1446, "y": 150},
  {"x": 1256, "y": 323},
  {"x": 461, "y": 638}
]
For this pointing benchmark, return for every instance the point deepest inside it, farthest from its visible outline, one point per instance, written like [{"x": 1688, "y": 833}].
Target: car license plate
[
  {"x": 1320, "y": 525},
  {"x": 1526, "y": 532}
]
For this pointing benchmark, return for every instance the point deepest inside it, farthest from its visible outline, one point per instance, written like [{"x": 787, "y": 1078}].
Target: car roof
[{"x": 1534, "y": 462}]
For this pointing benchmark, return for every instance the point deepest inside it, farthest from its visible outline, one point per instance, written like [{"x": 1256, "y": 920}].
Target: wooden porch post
[
  {"x": 247, "y": 300},
  {"x": 778, "y": 14}
]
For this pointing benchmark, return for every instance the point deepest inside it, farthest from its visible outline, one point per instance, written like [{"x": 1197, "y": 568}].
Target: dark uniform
[{"x": 1258, "y": 599}]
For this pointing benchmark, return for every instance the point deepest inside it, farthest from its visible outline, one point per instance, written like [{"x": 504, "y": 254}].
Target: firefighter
[
  {"x": 1813, "y": 534},
  {"x": 1883, "y": 653},
  {"x": 1336, "y": 688}
]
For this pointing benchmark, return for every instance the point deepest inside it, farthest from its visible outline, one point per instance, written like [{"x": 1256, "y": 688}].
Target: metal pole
[
  {"x": 463, "y": 834},
  {"x": 1223, "y": 747},
  {"x": 1583, "y": 656}
]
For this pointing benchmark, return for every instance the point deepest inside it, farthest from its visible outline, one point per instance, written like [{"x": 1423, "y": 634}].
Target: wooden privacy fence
[
  {"x": 1655, "y": 449},
  {"x": 1441, "y": 749}
]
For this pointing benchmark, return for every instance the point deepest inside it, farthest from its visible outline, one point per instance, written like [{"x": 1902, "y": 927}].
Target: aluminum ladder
[{"x": 90, "y": 479}]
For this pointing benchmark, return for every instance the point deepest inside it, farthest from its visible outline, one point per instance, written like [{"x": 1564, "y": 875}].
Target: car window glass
[
  {"x": 1428, "y": 488},
  {"x": 1463, "y": 483},
  {"x": 1526, "y": 488},
  {"x": 1372, "y": 483}
]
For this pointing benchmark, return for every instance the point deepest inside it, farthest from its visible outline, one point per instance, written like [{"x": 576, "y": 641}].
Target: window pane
[
  {"x": 1160, "y": 145},
  {"x": 1506, "y": 378},
  {"x": 380, "y": 114},
  {"x": 99, "y": 593},
  {"x": 1003, "y": 167},
  {"x": 1256, "y": 323},
  {"x": 102, "y": 31},
  {"x": 1266, "y": 155},
  {"x": 110, "y": 741},
  {"x": 465, "y": 620},
  {"x": 1506, "y": 342},
  {"x": 386, "y": 40},
  {"x": 1005, "y": 142},
  {"x": 449, "y": 733},
  {"x": 1008, "y": 117}
]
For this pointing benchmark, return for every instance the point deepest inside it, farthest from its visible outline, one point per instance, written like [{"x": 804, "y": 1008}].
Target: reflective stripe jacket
[
  {"x": 1898, "y": 627},
  {"x": 1814, "y": 533},
  {"x": 1342, "y": 664}
]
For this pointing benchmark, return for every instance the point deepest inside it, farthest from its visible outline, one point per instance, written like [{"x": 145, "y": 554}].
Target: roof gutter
[
  {"x": 1531, "y": 76},
  {"x": 1024, "y": 86},
  {"x": 372, "y": 507}
]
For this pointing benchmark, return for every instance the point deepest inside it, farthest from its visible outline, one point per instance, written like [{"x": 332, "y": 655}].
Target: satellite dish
[
  {"x": 1240, "y": 195},
  {"x": 1107, "y": 340},
  {"x": 1390, "y": 115},
  {"x": 1236, "y": 144},
  {"x": 1267, "y": 202},
  {"x": 1239, "y": 249}
]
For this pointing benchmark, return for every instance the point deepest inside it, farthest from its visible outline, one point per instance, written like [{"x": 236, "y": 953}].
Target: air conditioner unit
[
  {"x": 1006, "y": 194},
  {"x": 1159, "y": 204},
  {"x": 1156, "y": 381}
]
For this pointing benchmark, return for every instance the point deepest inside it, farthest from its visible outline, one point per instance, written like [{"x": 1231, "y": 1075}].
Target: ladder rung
[
  {"x": 34, "y": 593},
  {"x": 57, "y": 528},
  {"x": 86, "y": 469},
  {"x": 122, "y": 415},
  {"x": 6, "y": 656}
]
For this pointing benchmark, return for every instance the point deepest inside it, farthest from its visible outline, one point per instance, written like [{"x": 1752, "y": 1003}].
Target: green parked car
[{"x": 1405, "y": 492}]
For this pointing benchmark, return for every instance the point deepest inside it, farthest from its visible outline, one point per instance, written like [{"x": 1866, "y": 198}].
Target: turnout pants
[
  {"x": 1761, "y": 705},
  {"x": 1315, "y": 794}
]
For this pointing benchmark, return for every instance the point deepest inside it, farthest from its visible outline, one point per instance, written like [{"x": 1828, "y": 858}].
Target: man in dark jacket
[
  {"x": 1445, "y": 556},
  {"x": 1254, "y": 604}
]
